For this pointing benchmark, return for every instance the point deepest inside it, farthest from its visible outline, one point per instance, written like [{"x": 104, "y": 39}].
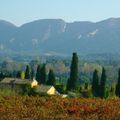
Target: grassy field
[{"x": 57, "y": 108}]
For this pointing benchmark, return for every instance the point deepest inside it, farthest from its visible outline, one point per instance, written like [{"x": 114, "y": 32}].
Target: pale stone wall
[
  {"x": 51, "y": 91},
  {"x": 34, "y": 83}
]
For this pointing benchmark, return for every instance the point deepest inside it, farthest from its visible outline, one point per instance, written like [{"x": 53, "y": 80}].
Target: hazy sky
[{"x": 22, "y": 11}]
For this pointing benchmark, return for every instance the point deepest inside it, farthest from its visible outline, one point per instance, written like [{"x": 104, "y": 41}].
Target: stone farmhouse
[{"x": 16, "y": 84}]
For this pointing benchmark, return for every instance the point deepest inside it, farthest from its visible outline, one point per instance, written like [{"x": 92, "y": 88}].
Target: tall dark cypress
[
  {"x": 32, "y": 74},
  {"x": 117, "y": 91},
  {"x": 72, "y": 81},
  {"x": 102, "y": 91},
  {"x": 38, "y": 74},
  {"x": 1, "y": 75},
  {"x": 27, "y": 72},
  {"x": 18, "y": 74},
  {"x": 95, "y": 83},
  {"x": 43, "y": 74},
  {"x": 51, "y": 78}
]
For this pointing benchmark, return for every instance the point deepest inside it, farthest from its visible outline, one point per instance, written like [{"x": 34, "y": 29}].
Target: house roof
[
  {"x": 7, "y": 80},
  {"x": 43, "y": 88},
  {"x": 19, "y": 81},
  {"x": 15, "y": 81}
]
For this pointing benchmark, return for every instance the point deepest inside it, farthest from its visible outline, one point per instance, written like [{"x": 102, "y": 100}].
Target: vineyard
[{"x": 57, "y": 108}]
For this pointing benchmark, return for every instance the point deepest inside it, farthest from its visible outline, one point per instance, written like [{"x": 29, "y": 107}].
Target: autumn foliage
[{"x": 57, "y": 108}]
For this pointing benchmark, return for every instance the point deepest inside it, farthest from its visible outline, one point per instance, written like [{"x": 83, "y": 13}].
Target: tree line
[
  {"x": 41, "y": 75},
  {"x": 98, "y": 85}
]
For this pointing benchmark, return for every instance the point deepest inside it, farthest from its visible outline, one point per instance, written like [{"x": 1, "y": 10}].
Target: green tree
[
  {"x": 38, "y": 74},
  {"x": 117, "y": 91},
  {"x": 102, "y": 90},
  {"x": 95, "y": 83},
  {"x": 22, "y": 76},
  {"x": 51, "y": 78},
  {"x": 27, "y": 72},
  {"x": 86, "y": 86},
  {"x": 1, "y": 75},
  {"x": 43, "y": 74},
  {"x": 32, "y": 74},
  {"x": 112, "y": 90},
  {"x": 18, "y": 75},
  {"x": 72, "y": 81}
]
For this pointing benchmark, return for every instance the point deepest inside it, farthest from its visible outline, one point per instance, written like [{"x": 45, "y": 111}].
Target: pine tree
[
  {"x": 38, "y": 74},
  {"x": 72, "y": 81},
  {"x": 102, "y": 91},
  {"x": 43, "y": 74},
  {"x": 51, "y": 78},
  {"x": 27, "y": 72},
  {"x": 95, "y": 83},
  {"x": 117, "y": 91}
]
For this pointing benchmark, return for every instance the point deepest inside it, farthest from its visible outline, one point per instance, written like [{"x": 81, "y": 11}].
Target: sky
[{"x": 22, "y": 11}]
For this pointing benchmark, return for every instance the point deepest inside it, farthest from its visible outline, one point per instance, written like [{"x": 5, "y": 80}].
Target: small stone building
[
  {"x": 15, "y": 84},
  {"x": 46, "y": 90}
]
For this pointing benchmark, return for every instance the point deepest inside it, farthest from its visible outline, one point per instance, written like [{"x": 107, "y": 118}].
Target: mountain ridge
[{"x": 58, "y": 36}]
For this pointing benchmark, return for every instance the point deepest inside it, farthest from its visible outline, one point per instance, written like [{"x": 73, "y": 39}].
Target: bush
[
  {"x": 87, "y": 94},
  {"x": 7, "y": 92},
  {"x": 61, "y": 88},
  {"x": 73, "y": 94},
  {"x": 27, "y": 90}
]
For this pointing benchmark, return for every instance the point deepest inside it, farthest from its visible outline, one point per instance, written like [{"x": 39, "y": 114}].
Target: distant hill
[{"x": 55, "y": 36}]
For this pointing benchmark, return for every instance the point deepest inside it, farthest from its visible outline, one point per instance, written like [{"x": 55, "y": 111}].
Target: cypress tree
[
  {"x": 95, "y": 83},
  {"x": 51, "y": 78},
  {"x": 68, "y": 84},
  {"x": 27, "y": 72},
  {"x": 1, "y": 75},
  {"x": 117, "y": 91},
  {"x": 32, "y": 74},
  {"x": 72, "y": 81},
  {"x": 18, "y": 75},
  {"x": 43, "y": 74},
  {"x": 38, "y": 74},
  {"x": 103, "y": 83}
]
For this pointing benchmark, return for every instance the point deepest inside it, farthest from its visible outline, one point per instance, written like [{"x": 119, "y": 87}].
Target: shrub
[
  {"x": 7, "y": 92},
  {"x": 27, "y": 90},
  {"x": 87, "y": 94}
]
